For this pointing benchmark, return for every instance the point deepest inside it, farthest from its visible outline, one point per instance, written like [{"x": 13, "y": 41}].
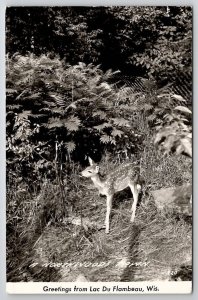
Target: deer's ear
[
  {"x": 91, "y": 162},
  {"x": 97, "y": 168}
]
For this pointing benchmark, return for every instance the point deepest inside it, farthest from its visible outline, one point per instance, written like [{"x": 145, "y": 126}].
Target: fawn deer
[{"x": 126, "y": 175}]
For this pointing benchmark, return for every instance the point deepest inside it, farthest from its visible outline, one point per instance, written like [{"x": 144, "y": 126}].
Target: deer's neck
[
  {"x": 99, "y": 184},
  {"x": 103, "y": 185},
  {"x": 96, "y": 179}
]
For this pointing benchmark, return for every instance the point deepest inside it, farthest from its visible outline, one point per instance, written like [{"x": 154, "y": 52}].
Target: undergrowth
[{"x": 43, "y": 234}]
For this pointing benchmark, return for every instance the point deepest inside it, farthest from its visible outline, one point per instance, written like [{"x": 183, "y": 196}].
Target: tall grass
[
  {"x": 39, "y": 230},
  {"x": 62, "y": 221}
]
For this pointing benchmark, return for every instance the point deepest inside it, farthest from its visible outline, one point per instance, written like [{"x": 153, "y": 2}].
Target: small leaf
[
  {"x": 11, "y": 91},
  {"x": 112, "y": 140},
  {"x": 72, "y": 124},
  {"x": 34, "y": 96},
  {"x": 54, "y": 122},
  {"x": 104, "y": 139},
  {"x": 178, "y": 97},
  {"x": 117, "y": 132},
  {"x": 186, "y": 147},
  {"x": 70, "y": 146},
  {"x": 183, "y": 109},
  {"x": 73, "y": 105},
  {"x": 147, "y": 66},
  {"x": 102, "y": 126},
  {"x": 105, "y": 86},
  {"x": 25, "y": 114},
  {"x": 107, "y": 139},
  {"x": 121, "y": 122},
  {"x": 163, "y": 95}
]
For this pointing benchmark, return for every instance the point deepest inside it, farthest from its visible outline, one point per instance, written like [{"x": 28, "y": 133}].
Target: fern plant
[{"x": 72, "y": 105}]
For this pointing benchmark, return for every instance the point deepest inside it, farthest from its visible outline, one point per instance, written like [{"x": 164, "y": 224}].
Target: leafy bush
[
  {"x": 155, "y": 41},
  {"x": 175, "y": 133},
  {"x": 54, "y": 111}
]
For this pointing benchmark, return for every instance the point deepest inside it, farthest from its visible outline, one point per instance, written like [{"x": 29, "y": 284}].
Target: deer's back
[{"x": 119, "y": 178}]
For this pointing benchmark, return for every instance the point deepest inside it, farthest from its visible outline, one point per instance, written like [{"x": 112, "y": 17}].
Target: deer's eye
[{"x": 89, "y": 171}]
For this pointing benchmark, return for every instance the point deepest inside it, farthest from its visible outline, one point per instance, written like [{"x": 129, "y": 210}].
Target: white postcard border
[
  {"x": 28, "y": 286},
  {"x": 144, "y": 287}
]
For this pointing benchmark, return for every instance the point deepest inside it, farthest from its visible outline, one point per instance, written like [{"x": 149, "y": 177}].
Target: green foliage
[
  {"x": 51, "y": 102},
  {"x": 169, "y": 52},
  {"x": 153, "y": 41},
  {"x": 167, "y": 116},
  {"x": 175, "y": 134}
]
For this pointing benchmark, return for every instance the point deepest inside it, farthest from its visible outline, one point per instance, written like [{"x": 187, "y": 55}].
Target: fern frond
[
  {"x": 121, "y": 122},
  {"x": 102, "y": 126},
  {"x": 54, "y": 122},
  {"x": 59, "y": 100},
  {"x": 72, "y": 124},
  {"x": 71, "y": 146},
  {"x": 117, "y": 132},
  {"x": 106, "y": 139}
]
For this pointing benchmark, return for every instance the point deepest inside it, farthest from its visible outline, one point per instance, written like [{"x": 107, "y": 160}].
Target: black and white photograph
[{"x": 99, "y": 149}]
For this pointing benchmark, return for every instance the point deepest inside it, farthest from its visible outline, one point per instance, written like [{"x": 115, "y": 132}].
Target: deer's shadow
[
  {"x": 130, "y": 271},
  {"x": 125, "y": 196}
]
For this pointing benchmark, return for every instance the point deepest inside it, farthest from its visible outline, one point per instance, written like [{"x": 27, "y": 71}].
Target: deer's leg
[
  {"x": 109, "y": 205},
  {"x": 135, "y": 189}
]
